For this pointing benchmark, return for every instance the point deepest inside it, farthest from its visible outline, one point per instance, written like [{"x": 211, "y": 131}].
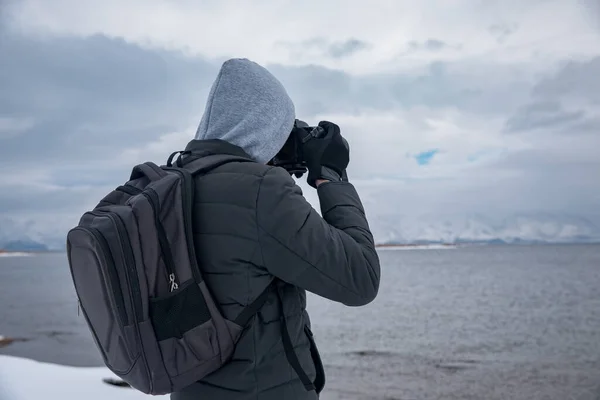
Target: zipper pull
[{"x": 172, "y": 283}]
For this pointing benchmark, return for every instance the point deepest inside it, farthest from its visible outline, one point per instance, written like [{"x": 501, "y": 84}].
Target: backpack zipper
[
  {"x": 188, "y": 199},
  {"x": 154, "y": 201}
]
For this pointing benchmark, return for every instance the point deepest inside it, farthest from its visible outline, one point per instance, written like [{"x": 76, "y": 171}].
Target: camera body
[{"x": 291, "y": 156}]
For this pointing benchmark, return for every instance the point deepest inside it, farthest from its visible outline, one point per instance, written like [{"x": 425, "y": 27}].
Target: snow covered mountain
[
  {"x": 393, "y": 228},
  {"x": 16, "y": 236},
  {"x": 535, "y": 228}
]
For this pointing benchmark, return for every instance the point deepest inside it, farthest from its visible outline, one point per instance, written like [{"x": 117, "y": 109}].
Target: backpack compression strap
[
  {"x": 251, "y": 310},
  {"x": 288, "y": 347}
]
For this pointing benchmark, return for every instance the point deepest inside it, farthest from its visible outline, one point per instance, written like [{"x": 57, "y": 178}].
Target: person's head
[{"x": 248, "y": 107}]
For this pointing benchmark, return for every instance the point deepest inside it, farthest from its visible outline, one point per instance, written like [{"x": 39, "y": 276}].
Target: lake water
[{"x": 485, "y": 323}]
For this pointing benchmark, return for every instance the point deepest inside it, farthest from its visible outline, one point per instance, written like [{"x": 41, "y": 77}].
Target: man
[{"x": 252, "y": 225}]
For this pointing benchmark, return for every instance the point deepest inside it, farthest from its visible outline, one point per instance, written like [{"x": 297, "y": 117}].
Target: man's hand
[
  {"x": 326, "y": 158},
  {"x": 318, "y": 182}
]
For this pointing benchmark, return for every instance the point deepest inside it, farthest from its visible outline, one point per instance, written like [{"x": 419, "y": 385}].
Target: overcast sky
[{"x": 451, "y": 107}]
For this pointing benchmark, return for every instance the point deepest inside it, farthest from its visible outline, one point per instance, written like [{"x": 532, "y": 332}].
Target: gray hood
[{"x": 248, "y": 107}]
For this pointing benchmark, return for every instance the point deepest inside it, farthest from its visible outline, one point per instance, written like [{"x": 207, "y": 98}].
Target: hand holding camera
[
  {"x": 321, "y": 150},
  {"x": 327, "y": 156}
]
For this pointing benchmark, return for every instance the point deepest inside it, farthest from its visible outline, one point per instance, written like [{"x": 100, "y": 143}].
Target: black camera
[{"x": 291, "y": 156}]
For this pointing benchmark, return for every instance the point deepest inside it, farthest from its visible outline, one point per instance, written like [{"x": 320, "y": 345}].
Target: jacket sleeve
[{"x": 332, "y": 256}]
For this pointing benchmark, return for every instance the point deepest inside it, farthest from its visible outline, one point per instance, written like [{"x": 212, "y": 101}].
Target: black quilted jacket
[{"x": 251, "y": 225}]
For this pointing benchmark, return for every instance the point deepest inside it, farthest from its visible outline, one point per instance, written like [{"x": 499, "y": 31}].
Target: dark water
[{"x": 506, "y": 322}]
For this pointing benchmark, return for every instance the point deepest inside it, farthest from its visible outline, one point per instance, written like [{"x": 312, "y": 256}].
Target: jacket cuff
[{"x": 338, "y": 194}]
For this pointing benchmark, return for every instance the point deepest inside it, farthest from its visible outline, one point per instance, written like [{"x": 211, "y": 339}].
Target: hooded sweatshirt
[{"x": 248, "y": 107}]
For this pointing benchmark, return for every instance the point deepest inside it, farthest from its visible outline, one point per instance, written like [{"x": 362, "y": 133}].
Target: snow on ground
[
  {"x": 24, "y": 379},
  {"x": 15, "y": 254}
]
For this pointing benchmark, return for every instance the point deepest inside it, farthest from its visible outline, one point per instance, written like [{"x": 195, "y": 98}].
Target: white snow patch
[
  {"x": 15, "y": 254},
  {"x": 24, "y": 379}
]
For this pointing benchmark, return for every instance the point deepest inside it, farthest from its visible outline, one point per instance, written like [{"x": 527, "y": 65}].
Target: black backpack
[{"x": 142, "y": 294}]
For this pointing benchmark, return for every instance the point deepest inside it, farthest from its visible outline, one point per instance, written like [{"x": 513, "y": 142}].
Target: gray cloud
[
  {"x": 349, "y": 47},
  {"x": 104, "y": 88},
  {"x": 588, "y": 126},
  {"x": 576, "y": 79},
  {"x": 548, "y": 180},
  {"x": 83, "y": 96},
  {"x": 71, "y": 105},
  {"x": 544, "y": 114},
  {"x": 84, "y": 99},
  {"x": 502, "y": 31},
  {"x": 327, "y": 48},
  {"x": 593, "y": 10},
  {"x": 318, "y": 89},
  {"x": 429, "y": 44},
  {"x": 575, "y": 83}
]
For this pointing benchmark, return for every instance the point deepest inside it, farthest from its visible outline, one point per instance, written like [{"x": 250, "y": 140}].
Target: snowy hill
[
  {"x": 534, "y": 228},
  {"x": 391, "y": 229},
  {"x": 25, "y": 237},
  {"x": 23, "y": 245}
]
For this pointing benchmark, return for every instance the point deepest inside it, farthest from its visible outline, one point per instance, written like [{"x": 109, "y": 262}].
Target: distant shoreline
[
  {"x": 415, "y": 244},
  {"x": 23, "y": 253},
  {"x": 30, "y": 251},
  {"x": 477, "y": 244},
  {"x": 431, "y": 245}
]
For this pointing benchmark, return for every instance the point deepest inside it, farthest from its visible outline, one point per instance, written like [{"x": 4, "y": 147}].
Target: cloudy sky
[{"x": 460, "y": 113}]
